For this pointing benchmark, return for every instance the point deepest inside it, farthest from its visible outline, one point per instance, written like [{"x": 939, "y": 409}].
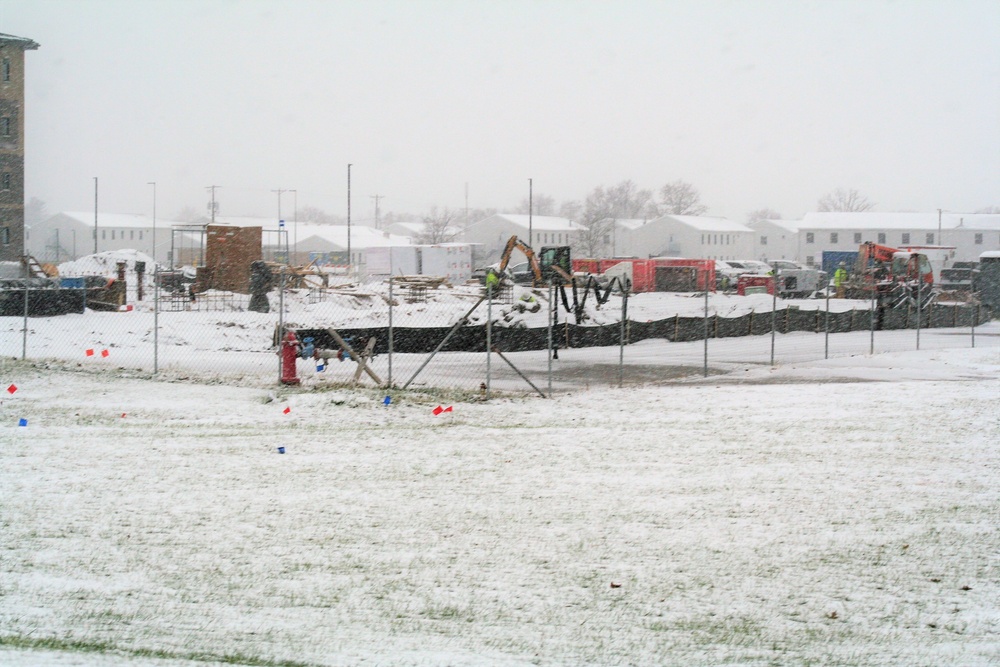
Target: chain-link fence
[{"x": 421, "y": 333}]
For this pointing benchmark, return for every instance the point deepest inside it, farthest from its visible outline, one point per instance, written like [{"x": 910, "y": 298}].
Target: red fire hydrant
[{"x": 289, "y": 354}]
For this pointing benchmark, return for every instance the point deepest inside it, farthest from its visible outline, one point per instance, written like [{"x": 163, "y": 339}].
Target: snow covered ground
[{"x": 800, "y": 514}]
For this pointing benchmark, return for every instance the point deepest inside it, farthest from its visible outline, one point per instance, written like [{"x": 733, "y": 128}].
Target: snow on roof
[
  {"x": 708, "y": 223},
  {"x": 629, "y": 223},
  {"x": 361, "y": 236},
  {"x": 23, "y": 42},
  {"x": 879, "y": 221},
  {"x": 548, "y": 223},
  {"x": 127, "y": 220},
  {"x": 789, "y": 225},
  {"x": 416, "y": 227}
]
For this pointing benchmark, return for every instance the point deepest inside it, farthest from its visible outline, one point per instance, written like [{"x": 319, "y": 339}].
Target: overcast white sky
[{"x": 755, "y": 103}]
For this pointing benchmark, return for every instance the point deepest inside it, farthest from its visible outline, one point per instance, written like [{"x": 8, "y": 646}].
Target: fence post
[
  {"x": 549, "y": 351},
  {"x": 389, "y": 381},
  {"x": 826, "y": 326},
  {"x": 920, "y": 290},
  {"x": 621, "y": 339},
  {"x": 705, "y": 363},
  {"x": 281, "y": 315},
  {"x": 489, "y": 336},
  {"x": 24, "y": 331},
  {"x": 975, "y": 319},
  {"x": 156, "y": 318},
  {"x": 774, "y": 314},
  {"x": 871, "y": 308}
]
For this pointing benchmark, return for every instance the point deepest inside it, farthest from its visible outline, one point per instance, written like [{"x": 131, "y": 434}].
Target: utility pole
[
  {"x": 348, "y": 218},
  {"x": 279, "y": 193},
  {"x": 153, "y": 183},
  {"x": 95, "y": 215},
  {"x": 295, "y": 223},
  {"x": 377, "y": 198},
  {"x": 939, "y": 228},
  {"x": 530, "y": 208},
  {"x": 212, "y": 206}
]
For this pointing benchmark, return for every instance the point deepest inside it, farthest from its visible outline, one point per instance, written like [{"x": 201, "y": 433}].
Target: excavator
[
  {"x": 553, "y": 265},
  {"x": 555, "y": 261},
  {"x": 896, "y": 276}
]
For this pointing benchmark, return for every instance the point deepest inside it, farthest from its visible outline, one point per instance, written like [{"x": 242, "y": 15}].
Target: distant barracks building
[{"x": 12, "y": 145}]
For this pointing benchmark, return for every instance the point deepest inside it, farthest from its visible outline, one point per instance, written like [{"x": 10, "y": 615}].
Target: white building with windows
[
  {"x": 775, "y": 239},
  {"x": 491, "y": 234},
  {"x": 68, "y": 235},
  {"x": 693, "y": 236},
  {"x": 970, "y": 234}
]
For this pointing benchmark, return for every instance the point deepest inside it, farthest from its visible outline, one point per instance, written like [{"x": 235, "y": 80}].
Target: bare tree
[
  {"x": 763, "y": 214},
  {"x": 539, "y": 205},
  {"x": 571, "y": 210},
  {"x": 597, "y": 218},
  {"x": 626, "y": 200},
  {"x": 319, "y": 216},
  {"x": 681, "y": 198},
  {"x": 188, "y": 214},
  {"x": 438, "y": 226},
  {"x": 989, "y": 209},
  {"x": 34, "y": 211},
  {"x": 845, "y": 200}
]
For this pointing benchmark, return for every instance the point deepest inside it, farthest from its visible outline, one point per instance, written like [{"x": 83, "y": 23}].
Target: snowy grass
[{"x": 848, "y": 523}]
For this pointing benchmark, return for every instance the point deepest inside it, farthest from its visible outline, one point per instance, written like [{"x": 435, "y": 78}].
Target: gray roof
[{"x": 23, "y": 42}]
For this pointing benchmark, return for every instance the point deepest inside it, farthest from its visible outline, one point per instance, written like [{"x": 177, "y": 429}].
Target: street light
[
  {"x": 348, "y": 219},
  {"x": 153, "y": 183},
  {"x": 295, "y": 223},
  {"x": 95, "y": 215}
]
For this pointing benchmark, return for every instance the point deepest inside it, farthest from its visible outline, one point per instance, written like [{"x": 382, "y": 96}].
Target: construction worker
[
  {"x": 492, "y": 281},
  {"x": 839, "y": 278}
]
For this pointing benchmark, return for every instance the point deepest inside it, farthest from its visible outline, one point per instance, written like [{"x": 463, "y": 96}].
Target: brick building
[{"x": 12, "y": 145}]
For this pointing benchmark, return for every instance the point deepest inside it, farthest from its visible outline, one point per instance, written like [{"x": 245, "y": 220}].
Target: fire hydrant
[{"x": 289, "y": 354}]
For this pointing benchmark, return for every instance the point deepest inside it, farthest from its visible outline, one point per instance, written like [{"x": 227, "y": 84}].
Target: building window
[
  {"x": 5, "y": 235},
  {"x": 6, "y": 69},
  {"x": 881, "y": 237},
  {"x": 104, "y": 234},
  {"x": 979, "y": 239},
  {"x": 906, "y": 237},
  {"x": 857, "y": 237},
  {"x": 5, "y": 182},
  {"x": 5, "y": 126},
  {"x": 140, "y": 234},
  {"x": 131, "y": 235},
  {"x": 763, "y": 240},
  {"x": 810, "y": 237},
  {"x": 930, "y": 238},
  {"x": 833, "y": 237},
  {"x": 703, "y": 239}
]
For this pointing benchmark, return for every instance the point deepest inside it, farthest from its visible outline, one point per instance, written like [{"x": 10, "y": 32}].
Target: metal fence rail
[{"x": 441, "y": 337}]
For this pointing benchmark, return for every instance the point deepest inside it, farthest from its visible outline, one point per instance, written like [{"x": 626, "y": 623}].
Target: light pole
[
  {"x": 295, "y": 223},
  {"x": 281, "y": 225},
  {"x": 530, "y": 210},
  {"x": 153, "y": 183},
  {"x": 95, "y": 215},
  {"x": 348, "y": 219}
]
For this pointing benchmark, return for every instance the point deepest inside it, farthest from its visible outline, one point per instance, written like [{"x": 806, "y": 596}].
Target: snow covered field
[{"x": 774, "y": 516}]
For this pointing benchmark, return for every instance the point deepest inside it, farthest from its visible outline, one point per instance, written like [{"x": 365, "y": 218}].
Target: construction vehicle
[
  {"x": 552, "y": 263},
  {"x": 892, "y": 276}
]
